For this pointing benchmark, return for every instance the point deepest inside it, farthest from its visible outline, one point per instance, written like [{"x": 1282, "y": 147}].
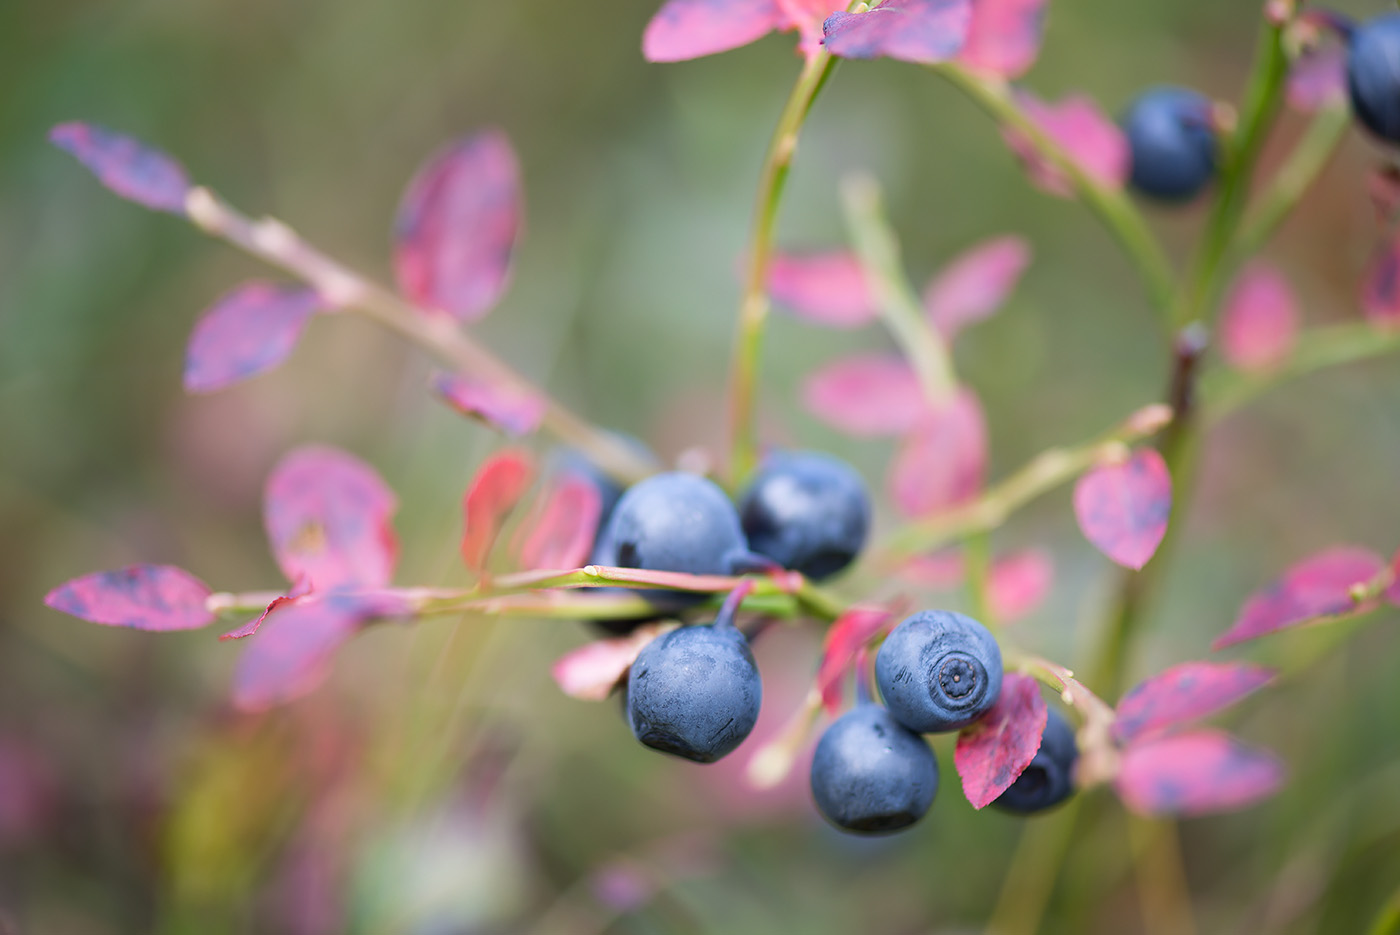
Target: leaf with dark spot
[
  {"x": 1123, "y": 508},
  {"x": 510, "y": 410},
  {"x": 127, "y": 167},
  {"x": 1318, "y": 586},
  {"x": 1195, "y": 773},
  {"x": 249, "y": 330},
  {"x": 144, "y": 597},
  {"x": 1185, "y": 693},
  {"x": 994, "y": 750},
  {"x": 921, "y": 31}
]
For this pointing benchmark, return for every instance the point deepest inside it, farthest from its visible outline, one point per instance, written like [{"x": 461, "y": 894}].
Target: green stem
[
  {"x": 753, "y": 304},
  {"x": 1112, "y": 206},
  {"x": 1307, "y": 160},
  {"x": 977, "y": 553}
]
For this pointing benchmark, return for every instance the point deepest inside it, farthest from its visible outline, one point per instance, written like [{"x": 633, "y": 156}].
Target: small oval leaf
[
  {"x": 921, "y": 31},
  {"x": 1082, "y": 132},
  {"x": 1004, "y": 38},
  {"x": 1123, "y": 508},
  {"x": 559, "y": 532},
  {"x": 1318, "y": 586},
  {"x": 866, "y": 395},
  {"x": 993, "y": 751},
  {"x": 592, "y": 671},
  {"x": 1196, "y": 773},
  {"x": 144, "y": 597},
  {"x": 499, "y": 484},
  {"x": 686, "y": 29},
  {"x": 514, "y": 412},
  {"x": 851, "y": 632},
  {"x": 1259, "y": 321},
  {"x": 250, "y": 329},
  {"x": 975, "y": 284},
  {"x": 1019, "y": 583},
  {"x": 1184, "y": 693},
  {"x": 822, "y": 288},
  {"x": 943, "y": 462},
  {"x": 127, "y": 167},
  {"x": 292, "y": 653}
]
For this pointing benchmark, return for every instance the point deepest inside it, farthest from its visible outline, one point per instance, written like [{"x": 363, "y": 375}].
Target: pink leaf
[
  {"x": 844, "y": 639},
  {"x": 866, "y": 395},
  {"x": 1079, "y": 128},
  {"x": 1259, "y": 323},
  {"x": 922, "y": 31},
  {"x": 301, "y": 588},
  {"x": 249, "y": 330},
  {"x": 943, "y": 462},
  {"x": 940, "y": 571},
  {"x": 1195, "y": 774},
  {"x": 1318, "y": 79},
  {"x": 1018, "y": 584},
  {"x": 126, "y": 167},
  {"x": 500, "y": 482},
  {"x": 807, "y": 17},
  {"x": 686, "y": 29},
  {"x": 146, "y": 597},
  {"x": 1184, "y": 693},
  {"x": 327, "y": 515},
  {"x": 457, "y": 226},
  {"x": 995, "y": 749},
  {"x": 1380, "y": 291},
  {"x": 975, "y": 284},
  {"x": 1392, "y": 593},
  {"x": 822, "y": 288},
  {"x": 1123, "y": 508},
  {"x": 512, "y": 411},
  {"x": 592, "y": 671},
  {"x": 1318, "y": 586},
  {"x": 1004, "y": 38},
  {"x": 559, "y": 533}
]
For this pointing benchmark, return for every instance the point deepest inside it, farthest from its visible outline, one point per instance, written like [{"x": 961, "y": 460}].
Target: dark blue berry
[
  {"x": 939, "y": 671},
  {"x": 1049, "y": 779},
  {"x": 1172, "y": 143},
  {"x": 695, "y": 692},
  {"x": 870, "y": 774},
  {"x": 807, "y": 511},
  {"x": 573, "y": 461},
  {"x": 1373, "y": 75}
]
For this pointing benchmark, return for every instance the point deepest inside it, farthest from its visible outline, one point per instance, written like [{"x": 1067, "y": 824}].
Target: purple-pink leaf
[
  {"x": 1195, "y": 773},
  {"x": 1123, "y": 508},
  {"x": 921, "y": 31},
  {"x": 975, "y": 284},
  {"x": 823, "y": 288},
  {"x": 1380, "y": 290},
  {"x": 1392, "y": 591},
  {"x": 145, "y": 597},
  {"x": 1004, "y": 38},
  {"x": 851, "y": 632},
  {"x": 943, "y": 461},
  {"x": 939, "y": 570},
  {"x": 866, "y": 395},
  {"x": 593, "y": 670},
  {"x": 301, "y": 588},
  {"x": 686, "y": 29},
  {"x": 1318, "y": 586},
  {"x": 1018, "y": 583},
  {"x": 1087, "y": 137},
  {"x": 1185, "y": 693},
  {"x": 327, "y": 515},
  {"x": 498, "y": 485},
  {"x": 1318, "y": 78},
  {"x": 1259, "y": 324},
  {"x": 511, "y": 410},
  {"x": 560, "y": 530},
  {"x": 125, "y": 166},
  {"x": 249, "y": 330},
  {"x": 457, "y": 225},
  {"x": 997, "y": 748}
]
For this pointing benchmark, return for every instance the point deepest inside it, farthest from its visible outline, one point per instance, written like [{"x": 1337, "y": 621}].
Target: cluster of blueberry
[{"x": 695, "y": 691}]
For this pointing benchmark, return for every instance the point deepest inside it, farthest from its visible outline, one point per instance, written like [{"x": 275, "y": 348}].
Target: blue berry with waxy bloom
[
  {"x": 939, "y": 671},
  {"x": 872, "y": 775},
  {"x": 695, "y": 692},
  {"x": 1049, "y": 779},
  {"x": 808, "y": 512},
  {"x": 1172, "y": 143},
  {"x": 1373, "y": 75}
]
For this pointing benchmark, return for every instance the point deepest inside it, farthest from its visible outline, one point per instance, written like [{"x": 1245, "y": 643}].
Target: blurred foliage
[{"x": 441, "y": 783}]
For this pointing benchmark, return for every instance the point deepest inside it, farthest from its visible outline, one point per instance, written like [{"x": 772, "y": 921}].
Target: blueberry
[
  {"x": 1049, "y": 779},
  {"x": 872, "y": 775},
  {"x": 1373, "y": 75},
  {"x": 573, "y": 461},
  {"x": 695, "y": 691},
  {"x": 939, "y": 671},
  {"x": 1172, "y": 143},
  {"x": 807, "y": 511}
]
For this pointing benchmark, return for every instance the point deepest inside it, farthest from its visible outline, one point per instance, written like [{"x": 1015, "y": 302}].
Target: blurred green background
[{"x": 441, "y": 783}]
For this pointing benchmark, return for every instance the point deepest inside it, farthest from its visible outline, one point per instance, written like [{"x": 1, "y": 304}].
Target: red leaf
[
  {"x": 145, "y": 597},
  {"x": 995, "y": 749},
  {"x": 686, "y": 29},
  {"x": 1380, "y": 291},
  {"x": 1018, "y": 583},
  {"x": 327, "y": 515},
  {"x": 1123, "y": 508},
  {"x": 844, "y": 639},
  {"x": 1318, "y": 79},
  {"x": 125, "y": 166},
  {"x": 1318, "y": 586},
  {"x": 922, "y": 31},
  {"x": 457, "y": 226},
  {"x": 1079, "y": 128},
  {"x": 1259, "y": 323},
  {"x": 975, "y": 284},
  {"x": 943, "y": 462},
  {"x": 301, "y": 588},
  {"x": 1195, "y": 774},
  {"x": 1184, "y": 693},
  {"x": 500, "y": 482},
  {"x": 593, "y": 670},
  {"x": 822, "y": 288},
  {"x": 249, "y": 330},
  {"x": 1004, "y": 38},
  {"x": 866, "y": 395},
  {"x": 559, "y": 533},
  {"x": 505, "y": 408}
]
